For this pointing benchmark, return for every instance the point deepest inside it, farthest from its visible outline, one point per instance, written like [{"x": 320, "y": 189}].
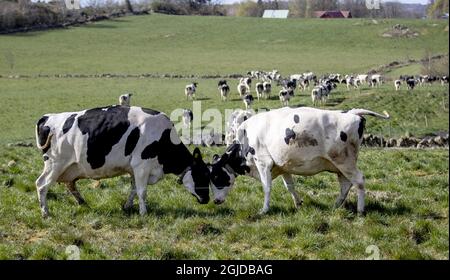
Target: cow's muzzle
[{"x": 218, "y": 201}]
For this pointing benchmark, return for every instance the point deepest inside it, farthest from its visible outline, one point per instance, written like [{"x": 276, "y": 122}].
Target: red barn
[{"x": 332, "y": 14}]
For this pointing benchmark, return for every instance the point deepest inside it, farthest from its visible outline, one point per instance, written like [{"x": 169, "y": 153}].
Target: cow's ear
[{"x": 197, "y": 155}]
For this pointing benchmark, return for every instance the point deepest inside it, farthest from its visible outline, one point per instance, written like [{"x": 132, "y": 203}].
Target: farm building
[
  {"x": 275, "y": 13},
  {"x": 333, "y": 14}
]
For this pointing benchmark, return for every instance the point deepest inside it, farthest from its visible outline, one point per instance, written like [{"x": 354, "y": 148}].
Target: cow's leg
[
  {"x": 345, "y": 185},
  {"x": 132, "y": 195},
  {"x": 45, "y": 180},
  {"x": 357, "y": 179},
  {"x": 73, "y": 190},
  {"x": 141, "y": 179},
  {"x": 289, "y": 184},
  {"x": 266, "y": 180}
]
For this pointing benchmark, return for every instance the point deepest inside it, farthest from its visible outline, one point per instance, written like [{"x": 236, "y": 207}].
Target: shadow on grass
[
  {"x": 177, "y": 212},
  {"x": 380, "y": 208}
]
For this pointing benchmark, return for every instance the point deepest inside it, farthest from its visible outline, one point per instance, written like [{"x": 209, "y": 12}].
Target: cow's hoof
[{"x": 263, "y": 211}]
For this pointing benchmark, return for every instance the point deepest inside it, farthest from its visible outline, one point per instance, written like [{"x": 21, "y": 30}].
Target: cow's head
[
  {"x": 196, "y": 178},
  {"x": 224, "y": 170}
]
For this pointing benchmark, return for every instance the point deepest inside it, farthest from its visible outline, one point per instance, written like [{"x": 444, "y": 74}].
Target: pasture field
[{"x": 407, "y": 189}]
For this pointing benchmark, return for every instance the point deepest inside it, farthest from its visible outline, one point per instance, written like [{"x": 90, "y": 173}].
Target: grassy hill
[{"x": 211, "y": 45}]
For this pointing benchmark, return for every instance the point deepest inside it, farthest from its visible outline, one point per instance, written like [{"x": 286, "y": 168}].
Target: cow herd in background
[{"x": 321, "y": 86}]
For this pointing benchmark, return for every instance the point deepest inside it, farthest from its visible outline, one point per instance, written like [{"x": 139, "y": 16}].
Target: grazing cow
[
  {"x": 303, "y": 84},
  {"x": 378, "y": 78},
  {"x": 444, "y": 80},
  {"x": 189, "y": 90},
  {"x": 301, "y": 141},
  {"x": 236, "y": 118},
  {"x": 111, "y": 141},
  {"x": 285, "y": 96},
  {"x": 411, "y": 83},
  {"x": 124, "y": 99},
  {"x": 373, "y": 82},
  {"x": 246, "y": 81},
  {"x": 322, "y": 92},
  {"x": 188, "y": 117},
  {"x": 363, "y": 78},
  {"x": 350, "y": 81},
  {"x": 397, "y": 84},
  {"x": 242, "y": 89},
  {"x": 267, "y": 89},
  {"x": 259, "y": 88},
  {"x": 248, "y": 101},
  {"x": 224, "y": 89}
]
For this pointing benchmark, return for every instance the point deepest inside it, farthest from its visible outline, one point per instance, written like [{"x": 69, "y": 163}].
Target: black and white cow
[
  {"x": 190, "y": 90},
  {"x": 259, "y": 88},
  {"x": 248, "y": 101},
  {"x": 267, "y": 89},
  {"x": 125, "y": 99},
  {"x": 224, "y": 89},
  {"x": 301, "y": 141},
  {"x": 112, "y": 141},
  {"x": 187, "y": 117},
  {"x": 397, "y": 84},
  {"x": 444, "y": 80},
  {"x": 285, "y": 95},
  {"x": 246, "y": 81},
  {"x": 411, "y": 83}
]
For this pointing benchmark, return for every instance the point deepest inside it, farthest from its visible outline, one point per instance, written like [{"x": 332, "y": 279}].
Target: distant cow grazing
[
  {"x": 411, "y": 83},
  {"x": 237, "y": 117},
  {"x": 444, "y": 80},
  {"x": 242, "y": 89},
  {"x": 246, "y": 81},
  {"x": 267, "y": 89},
  {"x": 112, "y": 141},
  {"x": 189, "y": 90},
  {"x": 188, "y": 117},
  {"x": 259, "y": 88},
  {"x": 248, "y": 101},
  {"x": 397, "y": 84},
  {"x": 124, "y": 99},
  {"x": 224, "y": 89},
  {"x": 285, "y": 95},
  {"x": 301, "y": 141}
]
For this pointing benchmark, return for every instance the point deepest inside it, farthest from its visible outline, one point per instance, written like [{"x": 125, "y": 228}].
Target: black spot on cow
[
  {"x": 175, "y": 158},
  {"x": 344, "y": 111},
  {"x": 105, "y": 127},
  {"x": 45, "y": 158},
  {"x": 245, "y": 118},
  {"x": 150, "y": 111},
  {"x": 290, "y": 134},
  {"x": 69, "y": 123},
  {"x": 361, "y": 126},
  {"x": 343, "y": 136},
  {"x": 132, "y": 140},
  {"x": 296, "y": 119},
  {"x": 251, "y": 151},
  {"x": 43, "y": 132}
]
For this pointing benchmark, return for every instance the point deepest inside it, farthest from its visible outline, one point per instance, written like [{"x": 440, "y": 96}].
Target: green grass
[
  {"x": 406, "y": 217},
  {"x": 407, "y": 200},
  {"x": 211, "y": 45}
]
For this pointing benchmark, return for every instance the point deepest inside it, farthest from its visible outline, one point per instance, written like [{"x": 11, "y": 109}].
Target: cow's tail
[
  {"x": 362, "y": 112},
  {"x": 47, "y": 140}
]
